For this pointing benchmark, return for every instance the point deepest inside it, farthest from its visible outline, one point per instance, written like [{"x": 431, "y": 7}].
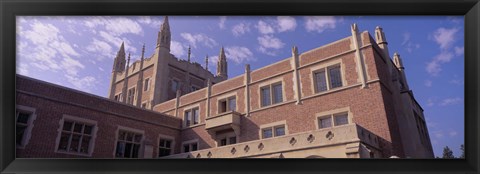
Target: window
[
  {"x": 191, "y": 117},
  {"x": 146, "y": 85},
  {"x": 338, "y": 120},
  {"x": 174, "y": 85},
  {"x": 144, "y": 105},
  {"x": 227, "y": 140},
  {"x": 23, "y": 126},
  {"x": 118, "y": 97},
  {"x": 188, "y": 147},
  {"x": 131, "y": 95},
  {"x": 128, "y": 144},
  {"x": 76, "y": 137},
  {"x": 228, "y": 104},
  {"x": 273, "y": 131},
  {"x": 194, "y": 88},
  {"x": 164, "y": 147},
  {"x": 331, "y": 74},
  {"x": 267, "y": 92}
]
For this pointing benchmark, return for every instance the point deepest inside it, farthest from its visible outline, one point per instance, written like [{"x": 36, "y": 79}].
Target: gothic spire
[
  {"x": 206, "y": 62},
  {"x": 189, "y": 52},
  {"x": 119, "y": 61},
  {"x": 222, "y": 64},
  {"x": 164, "y": 36}
]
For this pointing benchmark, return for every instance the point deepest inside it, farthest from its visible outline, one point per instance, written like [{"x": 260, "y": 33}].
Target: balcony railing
[{"x": 340, "y": 135}]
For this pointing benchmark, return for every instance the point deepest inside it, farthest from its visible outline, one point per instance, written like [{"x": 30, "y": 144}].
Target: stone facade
[{"x": 346, "y": 99}]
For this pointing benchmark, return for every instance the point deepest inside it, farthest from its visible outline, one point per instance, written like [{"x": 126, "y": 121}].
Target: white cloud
[
  {"x": 286, "y": 23},
  {"x": 153, "y": 22},
  {"x": 115, "y": 25},
  {"x": 100, "y": 48},
  {"x": 221, "y": 24},
  {"x": 428, "y": 83},
  {"x": 450, "y": 101},
  {"x": 452, "y": 133},
  {"x": 459, "y": 51},
  {"x": 82, "y": 83},
  {"x": 320, "y": 23},
  {"x": 22, "y": 69},
  {"x": 430, "y": 102},
  {"x": 456, "y": 81},
  {"x": 406, "y": 38},
  {"x": 265, "y": 28},
  {"x": 434, "y": 67},
  {"x": 177, "y": 49},
  {"x": 269, "y": 44},
  {"x": 445, "y": 37},
  {"x": 71, "y": 66},
  {"x": 238, "y": 54},
  {"x": 240, "y": 29},
  {"x": 193, "y": 39},
  {"x": 438, "y": 134},
  {"x": 408, "y": 44}
]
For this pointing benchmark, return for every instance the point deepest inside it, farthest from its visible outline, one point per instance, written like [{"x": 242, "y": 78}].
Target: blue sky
[{"x": 78, "y": 52}]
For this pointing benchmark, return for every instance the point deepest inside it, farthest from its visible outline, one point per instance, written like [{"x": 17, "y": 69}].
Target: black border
[{"x": 9, "y": 9}]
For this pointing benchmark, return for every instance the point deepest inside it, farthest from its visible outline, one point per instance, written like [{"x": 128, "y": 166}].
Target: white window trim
[
  {"x": 325, "y": 67},
  {"x": 191, "y": 108},
  {"x": 81, "y": 120},
  {"x": 146, "y": 104},
  {"x": 166, "y": 137},
  {"x": 227, "y": 136},
  {"x": 148, "y": 85},
  {"x": 134, "y": 100},
  {"x": 331, "y": 114},
  {"x": 190, "y": 142},
  {"x": 271, "y": 83},
  {"x": 28, "y": 131},
  {"x": 120, "y": 97},
  {"x": 226, "y": 97},
  {"x": 273, "y": 125},
  {"x": 128, "y": 129}
]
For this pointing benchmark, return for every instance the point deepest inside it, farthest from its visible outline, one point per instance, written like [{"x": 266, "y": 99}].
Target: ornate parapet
[{"x": 348, "y": 141}]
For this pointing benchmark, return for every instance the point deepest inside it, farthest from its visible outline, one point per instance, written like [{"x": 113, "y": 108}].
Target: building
[{"x": 346, "y": 99}]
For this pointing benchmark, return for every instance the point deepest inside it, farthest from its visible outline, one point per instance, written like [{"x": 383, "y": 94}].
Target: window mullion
[{"x": 327, "y": 78}]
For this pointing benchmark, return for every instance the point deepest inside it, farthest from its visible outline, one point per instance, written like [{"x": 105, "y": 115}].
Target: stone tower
[
  {"x": 222, "y": 64},
  {"x": 118, "y": 66}
]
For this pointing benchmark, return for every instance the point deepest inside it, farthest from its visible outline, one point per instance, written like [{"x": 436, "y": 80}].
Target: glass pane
[
  {"x": 74, "y": 144},
  {"x": 88, "y": 130},
  {"x": 341, "y": 119},
  {"x": 222, "y": 106},
  {"x": 23, "y": 117},
  {"x": 120, "y": 149},
  {"x": 136, "y": 149},
  {"x": 64, "y": 141},
  {"x": 85, "y": 144},
  {"x": 232, "y": 105},
  {"x": 138, "y": 138},
  {"x": 223, "y": 142},
  {"x": 325, "y": 122},
  {"x": 194, "y": 147},
  {"x": 67, "y": 126},
  {"x": 20, "y": 130},
  {"x": 279, "y": 131},
  {"x": 187, "y": 118},
  {"x": 77, "y": 127},
  {"x": 267, "y": 133},
  {"x": 265, "y": 96},
  {"x": 335, "y": 77},
  {"x": 128, "y": 150},
  {"x": 195, "y": 116},
  {"x": 167, "y": 143},
  {"x": 186, "y": 148},
  {"x": 320, "y": 81},
  {"x": 277, "y": 92},
  {"x": 162, "y": 143},
  {"x": 233, "y": 140},
  {"x": 129, "y": 136},
  {"x": 163, "y": 152}
]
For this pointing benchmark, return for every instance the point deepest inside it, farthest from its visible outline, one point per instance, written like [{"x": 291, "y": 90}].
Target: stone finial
[
  {"x": 380, "y": 35},
  {"x": 206, "y": 62},
  {"x": 354, "y": 27},
  {"x": 295, "y": 50},
  {"x": 398, "y": 61},
  {"x": 247, "y": 68}
]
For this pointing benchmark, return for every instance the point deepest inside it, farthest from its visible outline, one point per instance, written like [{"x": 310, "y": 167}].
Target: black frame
[{"x": 9, "y": 9}]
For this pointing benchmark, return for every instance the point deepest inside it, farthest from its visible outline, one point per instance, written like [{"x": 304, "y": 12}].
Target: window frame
[
  {"x": 177, "y": 81},
  {"x": 227, "y": 104},
  {"x": 118, "y": 97},
  {"x": 227, "y": 137},
  {"x": 190, "y": 144},
  {"x": 172, "y": 144},
  {"x": 146, "y": 84},
  {"x": 191, "y": 117},
  {"x": 27, "y": 134},
  {"x": 131, "y": 98},
  {"x": 75, "y": 119},
  {"x": 328, "y": 79},
  {"x": 272, "y": 95},
  {"x": 131, "y": 130},
  {"x": 332, "y": 116},
  {"x": 273, "y": 128}
]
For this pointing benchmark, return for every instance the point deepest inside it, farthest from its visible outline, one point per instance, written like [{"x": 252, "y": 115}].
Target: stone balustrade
[{"x": 344, "y": 137}]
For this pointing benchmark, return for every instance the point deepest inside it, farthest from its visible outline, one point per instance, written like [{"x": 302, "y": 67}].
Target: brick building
[{"x": 346, "y": 99}]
